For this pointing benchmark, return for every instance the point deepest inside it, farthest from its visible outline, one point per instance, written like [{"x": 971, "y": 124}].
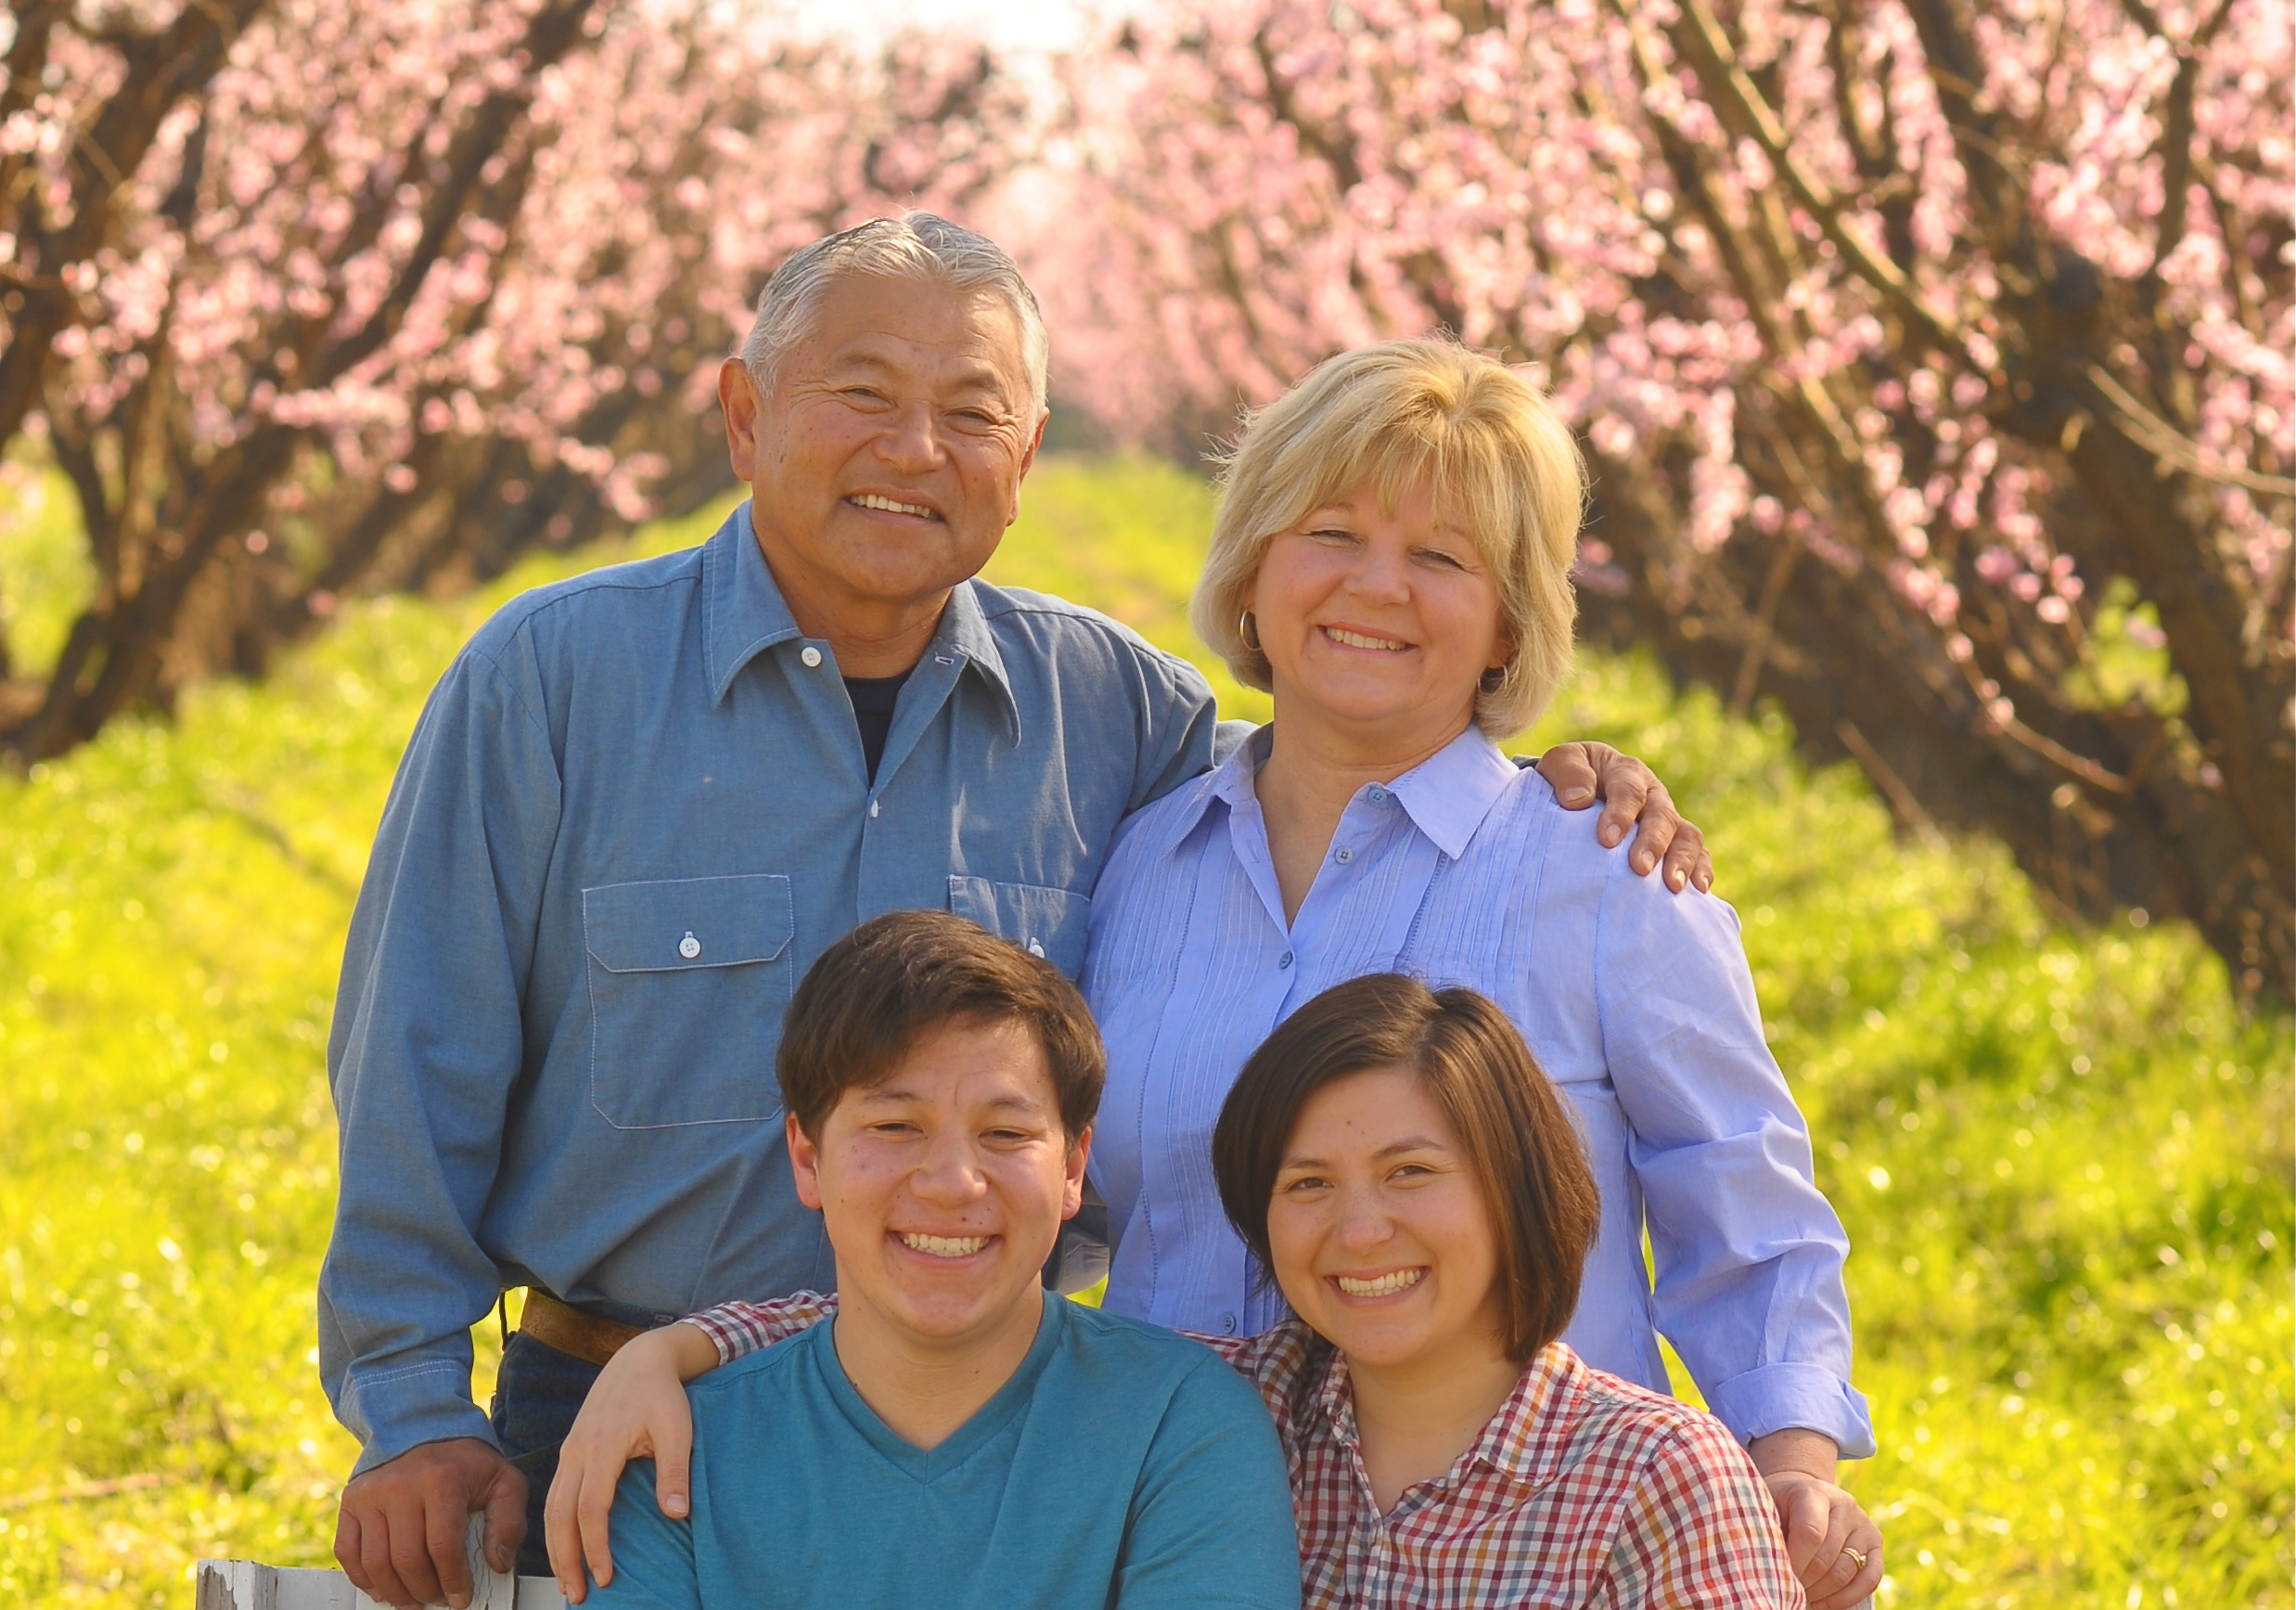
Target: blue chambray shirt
[
  {"x": 1637, "y": 1003},
  {"x": 634, "y": 812}
]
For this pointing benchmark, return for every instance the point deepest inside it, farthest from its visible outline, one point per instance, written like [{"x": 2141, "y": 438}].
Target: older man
[{"x": 639, "y": 807}]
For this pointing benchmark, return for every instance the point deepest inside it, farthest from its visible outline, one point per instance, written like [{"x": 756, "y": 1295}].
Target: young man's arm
[{"x": 638, "y": 1409}]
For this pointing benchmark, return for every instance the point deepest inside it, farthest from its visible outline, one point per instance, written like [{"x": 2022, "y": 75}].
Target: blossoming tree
[
  {"x": 406, "y": 289},
  {"x": 1932, "y": 359}
]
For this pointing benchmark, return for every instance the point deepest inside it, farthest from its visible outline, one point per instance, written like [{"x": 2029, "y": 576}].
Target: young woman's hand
[{"x": 636, "y": 1409}]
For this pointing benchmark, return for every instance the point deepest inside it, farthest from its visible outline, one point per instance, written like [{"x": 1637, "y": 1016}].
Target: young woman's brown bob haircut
[
  {"x": 873, "y": 993},
  {"x": 1541, "y": 1194}
]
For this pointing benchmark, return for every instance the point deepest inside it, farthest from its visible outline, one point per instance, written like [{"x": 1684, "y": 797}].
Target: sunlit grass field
[{"x": 2063, "y": 1158}]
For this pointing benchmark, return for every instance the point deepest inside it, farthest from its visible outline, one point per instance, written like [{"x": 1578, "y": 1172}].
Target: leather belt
[{"x": 571, "y": 1332}]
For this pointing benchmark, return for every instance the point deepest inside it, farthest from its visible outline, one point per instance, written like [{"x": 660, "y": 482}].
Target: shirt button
[
  {"x": 690, "y": 947},
  {"x": 1227, "y": 1324},
  {"x": 1036, "y": 949},
  {"x": 1284, "y": 961},
  {"x": 1378, "y": 795},
  {"x": 873, "y": 810},
  {"x": 1345, "y": 855},
  {"x": 811, "y": 655}
]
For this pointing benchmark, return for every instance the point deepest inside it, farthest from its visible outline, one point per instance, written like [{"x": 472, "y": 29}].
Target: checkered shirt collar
[{"x": 1525, "y": 1441}]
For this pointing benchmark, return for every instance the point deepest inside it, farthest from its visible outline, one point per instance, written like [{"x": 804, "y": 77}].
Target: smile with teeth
[
  {"x": 1384, "y": 1285},
  {"x": 1358, "y": 641},
  {"x": 871, "y": 500},
  {"x": 943, "y": 1245}
]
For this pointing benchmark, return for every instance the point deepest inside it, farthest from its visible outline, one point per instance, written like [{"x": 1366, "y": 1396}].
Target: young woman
[{"x": 1395, "y": 1158}]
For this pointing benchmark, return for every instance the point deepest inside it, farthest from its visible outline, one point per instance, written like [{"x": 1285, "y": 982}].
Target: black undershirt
[{"x": 873, "y": 698}]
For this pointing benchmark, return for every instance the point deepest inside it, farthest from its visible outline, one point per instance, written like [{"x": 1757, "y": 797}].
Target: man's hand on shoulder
[
  {"x": 400, "y": 1536},
  {"x": 1632, "y": 796}
]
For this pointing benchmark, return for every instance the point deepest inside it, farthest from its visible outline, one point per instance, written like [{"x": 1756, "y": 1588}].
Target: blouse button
[
  {"x": 1227, "y": 1324},
  {"x": 1345, "y": 855},
  {"x": 1284, "y": 961},
  {"x": 811, "y": 655},
  {"x": 690, "y": 947},
  {"x": 1379, "y": 795}
]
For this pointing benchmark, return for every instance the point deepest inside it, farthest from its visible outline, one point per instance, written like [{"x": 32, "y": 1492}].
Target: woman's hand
[
  {"x": 1633, "y": 797},
  {"x": 635, "y": 1410},
  {"x": 1834, "y": 1547}
]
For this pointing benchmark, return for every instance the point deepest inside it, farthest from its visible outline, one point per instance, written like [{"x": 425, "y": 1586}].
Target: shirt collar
[
  {"x": 1229, "y": 784},
  {"x": 1447, "y": 796},
  {"x": 964, "y": 633},
  {"x": 1527, "y": 1441},
  {"x": 1449, "y": 792},
  {"x": 744, "y": 614}
]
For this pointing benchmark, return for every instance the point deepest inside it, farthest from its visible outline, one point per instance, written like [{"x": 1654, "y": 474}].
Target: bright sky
[{"x": 1008, "y": 24}]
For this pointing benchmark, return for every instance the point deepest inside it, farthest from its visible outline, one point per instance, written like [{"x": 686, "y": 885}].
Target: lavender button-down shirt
[{"x": 1637, "y": 1003}]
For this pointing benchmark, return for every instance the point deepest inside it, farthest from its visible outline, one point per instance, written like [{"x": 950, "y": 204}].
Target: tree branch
[{"x": 1739, "y": 94}]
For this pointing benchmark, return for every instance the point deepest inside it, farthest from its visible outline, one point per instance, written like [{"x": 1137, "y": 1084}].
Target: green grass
[{"x": 2063, "y": 1158}]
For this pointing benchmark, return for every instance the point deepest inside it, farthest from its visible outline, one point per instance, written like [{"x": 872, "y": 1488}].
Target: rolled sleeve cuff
[
  {"x": 392, "y": 1411},
  {"x": 1795, "y": 1396}
]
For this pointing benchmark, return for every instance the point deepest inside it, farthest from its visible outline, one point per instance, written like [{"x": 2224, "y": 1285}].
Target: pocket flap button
[{"x": 690, "y": 947}]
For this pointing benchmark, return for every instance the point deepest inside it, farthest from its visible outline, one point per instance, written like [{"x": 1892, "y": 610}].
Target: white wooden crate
[{"x": 244, "y": 1584}]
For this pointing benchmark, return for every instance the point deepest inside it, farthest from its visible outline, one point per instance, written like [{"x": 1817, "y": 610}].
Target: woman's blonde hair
[{"x": 1503, "y": 465}]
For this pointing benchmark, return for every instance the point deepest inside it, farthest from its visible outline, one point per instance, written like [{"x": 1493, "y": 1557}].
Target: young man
[{"x": 955, "y": 1434}]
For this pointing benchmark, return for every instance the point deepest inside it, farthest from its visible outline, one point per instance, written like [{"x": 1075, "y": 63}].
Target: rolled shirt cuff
[
  {"x": 392, "y": 1411},
  {"x": 1795, "y": 1396}
]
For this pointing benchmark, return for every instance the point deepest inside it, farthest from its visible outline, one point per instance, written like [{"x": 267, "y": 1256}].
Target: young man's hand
[
  {"x": 636, "y": 1409},
  {"x": 400, "y": 1535},
  {"x": 1632, "y": 797}
]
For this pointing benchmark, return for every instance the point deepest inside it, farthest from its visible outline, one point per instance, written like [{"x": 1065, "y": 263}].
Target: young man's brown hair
[
  {"x": 869, "y": 996},
  {"x": 1523, "y": 1149}
]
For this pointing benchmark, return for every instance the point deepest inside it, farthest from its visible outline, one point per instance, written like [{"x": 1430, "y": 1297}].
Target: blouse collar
[{"x": 1447, "y": 796}]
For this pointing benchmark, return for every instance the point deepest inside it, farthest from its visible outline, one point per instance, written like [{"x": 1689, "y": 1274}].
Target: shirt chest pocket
[
  {"x": 688, "y": 981},
  {"x": 1052, "y": 923}
]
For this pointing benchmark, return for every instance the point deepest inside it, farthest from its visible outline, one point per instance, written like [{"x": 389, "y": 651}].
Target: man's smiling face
[
  {"x": 943, "y": 1186},
  {"x": 887, "y": 456}
]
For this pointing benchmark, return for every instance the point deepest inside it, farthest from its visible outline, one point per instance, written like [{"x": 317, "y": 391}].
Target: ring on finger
[{"x": 1857, "y": 1557}]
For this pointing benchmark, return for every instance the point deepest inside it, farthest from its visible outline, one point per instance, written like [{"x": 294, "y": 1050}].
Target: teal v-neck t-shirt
[{"x": 1121, "y": 1465}]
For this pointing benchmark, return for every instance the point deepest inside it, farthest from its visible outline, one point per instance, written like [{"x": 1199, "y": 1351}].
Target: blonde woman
[{"x": 1392, "y": 562}]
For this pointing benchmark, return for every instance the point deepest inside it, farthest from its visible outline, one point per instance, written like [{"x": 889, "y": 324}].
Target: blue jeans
[{"x": 536, "y": 1396}]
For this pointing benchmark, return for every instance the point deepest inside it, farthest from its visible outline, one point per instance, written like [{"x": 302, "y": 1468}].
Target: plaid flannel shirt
[{"x": 1584, "y": 1489}]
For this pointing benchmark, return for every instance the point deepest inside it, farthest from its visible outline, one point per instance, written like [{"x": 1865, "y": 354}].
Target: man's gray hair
[{"x": 916, "y": 246}]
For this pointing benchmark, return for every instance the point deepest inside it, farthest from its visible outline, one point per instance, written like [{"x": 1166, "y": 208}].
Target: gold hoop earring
[{"x": 1249, "y": 630}]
